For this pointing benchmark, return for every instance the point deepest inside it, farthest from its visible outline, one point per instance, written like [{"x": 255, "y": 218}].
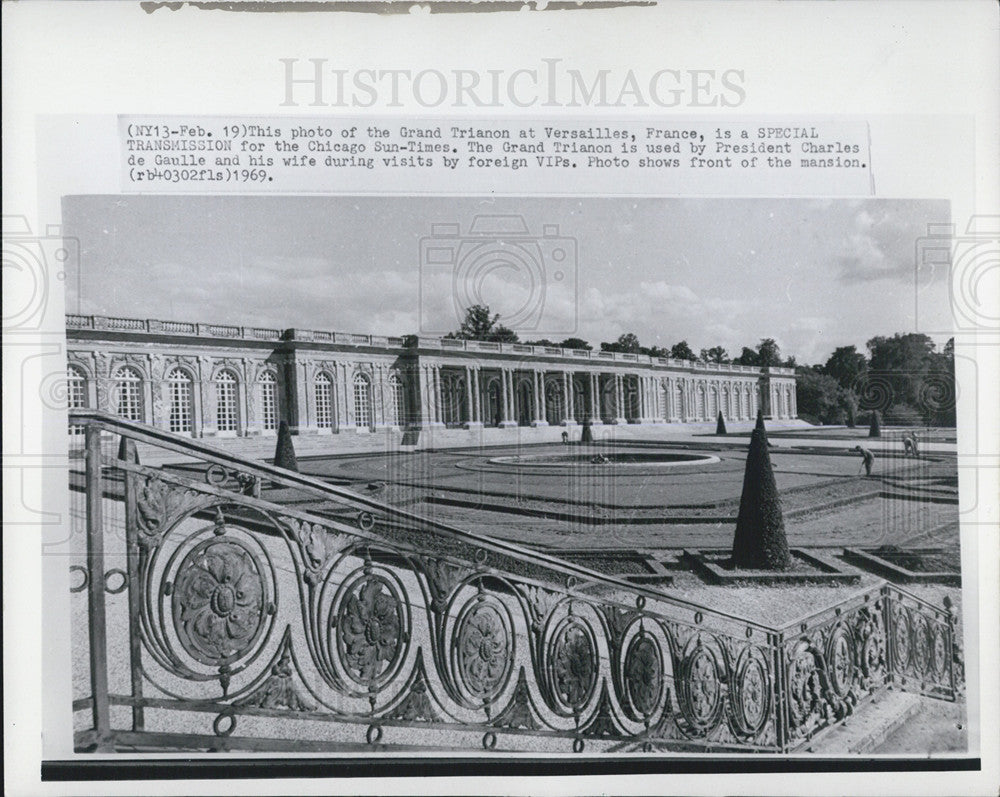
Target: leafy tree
[
  {"x": 920, "y": 379},
  {"x": 768, "y": 353},
  {"x": 627, "y": 343},
  {"x": 681, "y": 351},
  {"x": 576, "y": 343},
  {"x": 542, "y": 342},
  {"x": 820, "y": 398},
  {"x": 747, "y": 357},
  {"x": 716, "y": 354},
  {"x": 845, "y": 365},
  {"x": 849, "y": 402},
  {"x": 480, "y": 325},
  {"x": 903, "y": 353}
]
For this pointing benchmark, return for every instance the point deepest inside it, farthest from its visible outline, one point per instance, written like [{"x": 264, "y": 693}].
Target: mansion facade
[{"x": 214, "y": 380}]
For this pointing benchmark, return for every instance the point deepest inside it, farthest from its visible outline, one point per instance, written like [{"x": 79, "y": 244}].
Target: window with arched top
[
  {"x": 227, "y": 417},
  {"x": 76, "y": 394},
  {"x": 494, "y": 403},
  {"x": 324, "y": 400},
  {"x": 362, "y": 402},
  {"x": 397, "y": 401},
  {"x": 180, "y": 387},
  {"x": 553, "y": 403},
  {"x": 128, "y": 394},
  {"x": 268, "y": 400}
]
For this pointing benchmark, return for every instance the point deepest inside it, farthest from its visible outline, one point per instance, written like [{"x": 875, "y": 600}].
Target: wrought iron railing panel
[{"x": 226, "y": 620}]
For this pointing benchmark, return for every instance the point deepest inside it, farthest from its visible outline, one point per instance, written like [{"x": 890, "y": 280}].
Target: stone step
[{"x": 870, "y": 724}]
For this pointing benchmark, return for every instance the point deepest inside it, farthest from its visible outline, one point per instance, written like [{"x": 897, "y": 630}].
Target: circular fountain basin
[{"x": 602, "y": 460}]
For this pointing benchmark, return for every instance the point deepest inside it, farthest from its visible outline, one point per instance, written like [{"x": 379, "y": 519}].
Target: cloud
[{"x": 878, "y": 246}]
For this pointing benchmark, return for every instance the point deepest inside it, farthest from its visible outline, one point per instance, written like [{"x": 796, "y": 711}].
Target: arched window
[
  {"x": 553, "y": 403},
  {"x": 727, "y": 410},
  {"x": 525, "y": 403},
  {"x": 128, "y": 394},
  {"x": 76, "y": 394},
  {"x": 397, "y": 401},
  {"x": 362, "y": 402},
  {"x": 579, "y": 400},
  {"x": 700, "y": 403},
  {"x": 226, "y": 414},
  {"x": 713, "y": 402},
  {"x": 609, "y": 399},
  {"x": 494, "y": 400},
  {"x": 179, "y": 384},
  {"x": 324, "y": 401},
  {"x": 453, "y": 399},
  {"x": 268, "y": 400}
]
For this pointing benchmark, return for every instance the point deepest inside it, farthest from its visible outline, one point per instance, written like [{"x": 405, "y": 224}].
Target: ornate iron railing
[{"x": 325, "y": 620}]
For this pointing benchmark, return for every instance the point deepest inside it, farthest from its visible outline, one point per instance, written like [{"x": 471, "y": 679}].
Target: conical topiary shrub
[
  {"x": 760, "y": 540},
  {"x": 760, "y": 422},
  {"x": 720, "y": 424},
  {"x": 587, "y": 436},
  {"x": 875, "y": 429},
  {"x": 284, "y": 453}
]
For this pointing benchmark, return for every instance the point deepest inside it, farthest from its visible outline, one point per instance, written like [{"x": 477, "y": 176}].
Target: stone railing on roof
[{"x": 230, "y": 332}]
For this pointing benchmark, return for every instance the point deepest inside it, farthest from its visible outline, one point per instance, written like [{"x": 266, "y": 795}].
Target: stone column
[
  {"x": 477, "y": 378},
  {"x": 504, "y": 398},
  {"x": 568, "y": 418},
  {"x": 249, "y": 421},
  {"x": 595, "y": 409},
  {"x": 379, "y": 414},
  {"x": 471, "y": 416},
  {"x": 620, "y": 399},
  {"x": 539, "y": 400},
  {"x": 204, "y": 424},
  {"x": 436, "y": 380}
]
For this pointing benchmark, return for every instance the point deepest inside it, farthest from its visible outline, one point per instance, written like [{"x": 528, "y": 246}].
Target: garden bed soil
[
  {"x": 909, "y": 566},
  {"x": 716, "y": 567}
]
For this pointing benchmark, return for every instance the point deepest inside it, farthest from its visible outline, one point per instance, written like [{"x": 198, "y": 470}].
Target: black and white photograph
[
  {"x": 376, "y": 475},
  {"x": 502, "y": 398}
]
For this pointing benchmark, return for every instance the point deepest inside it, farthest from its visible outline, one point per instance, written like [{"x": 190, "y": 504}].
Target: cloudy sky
[{"x": 813, "y": 274}]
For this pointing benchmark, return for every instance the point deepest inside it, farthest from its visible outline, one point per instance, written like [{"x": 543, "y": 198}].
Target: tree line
[{"x": 903, "y": 377}]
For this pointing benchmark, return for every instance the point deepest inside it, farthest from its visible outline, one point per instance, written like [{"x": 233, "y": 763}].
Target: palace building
[{"x": 214, "y": 380}]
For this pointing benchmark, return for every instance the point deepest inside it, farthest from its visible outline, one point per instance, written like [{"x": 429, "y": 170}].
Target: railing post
[
  {"x": 890, "y": 652},
  {"x": 127, "y": 453},
  {"x": 97, "y": 619},
  {"x": 777, "y": 642}
]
